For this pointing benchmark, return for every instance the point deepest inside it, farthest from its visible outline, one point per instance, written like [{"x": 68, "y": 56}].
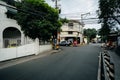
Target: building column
[{"x": 23, "y": 39}]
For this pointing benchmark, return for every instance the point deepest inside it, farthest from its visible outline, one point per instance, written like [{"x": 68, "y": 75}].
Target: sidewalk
[
  {"x": 16, "y": 61},
  {"x": 116, "y": 60}
]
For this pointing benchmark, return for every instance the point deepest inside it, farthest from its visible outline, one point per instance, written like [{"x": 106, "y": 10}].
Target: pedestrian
[{"x": 75, "y": 43}]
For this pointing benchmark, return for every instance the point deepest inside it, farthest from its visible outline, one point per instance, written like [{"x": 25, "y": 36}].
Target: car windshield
[{"x": 63, "y": 42}]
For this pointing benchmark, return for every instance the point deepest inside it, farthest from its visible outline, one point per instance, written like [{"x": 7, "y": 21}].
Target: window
[
  {"x": 70, "y": 32},
  {"x": 70, "y": 25}
]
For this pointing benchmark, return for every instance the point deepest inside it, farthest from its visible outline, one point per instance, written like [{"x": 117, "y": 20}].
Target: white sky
[{"x": 75, "y": 7}]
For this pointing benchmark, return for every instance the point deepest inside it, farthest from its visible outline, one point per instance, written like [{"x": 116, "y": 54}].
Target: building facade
[
  {"x": 73, "y": 30},
  {"x": 13, "y": 42},
  {"x": 10, "y": 32}
]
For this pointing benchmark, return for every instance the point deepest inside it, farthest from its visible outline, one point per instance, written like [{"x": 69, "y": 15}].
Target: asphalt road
[{"x": 72, "y": 63}]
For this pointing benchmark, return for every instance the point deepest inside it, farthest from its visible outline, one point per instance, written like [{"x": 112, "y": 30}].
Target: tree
[
  {"x": 109, "y": 11},
  {"x": 37, "y": 19},
  {"x": 90, "y": 33},
  {"x": 10, "y": 2}
]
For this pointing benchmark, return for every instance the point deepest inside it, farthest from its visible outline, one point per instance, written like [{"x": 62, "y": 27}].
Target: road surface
[{"x": 72, "y": 63}]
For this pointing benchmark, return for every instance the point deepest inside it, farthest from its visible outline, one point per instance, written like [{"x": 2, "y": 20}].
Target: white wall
[
  {"x": 43, "y": 48},
  {"x": 7, "y": 53},
  {"x": 81, "y": 38},
  {"x": 25, "y": 50},
  {"x": 7, "y": 22}
]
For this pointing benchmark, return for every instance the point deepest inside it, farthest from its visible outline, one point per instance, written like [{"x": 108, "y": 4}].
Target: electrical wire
[{"x": 36, "y": 13}]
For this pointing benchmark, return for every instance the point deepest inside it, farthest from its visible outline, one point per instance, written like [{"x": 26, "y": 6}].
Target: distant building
[{"x": 73, "y": 30}]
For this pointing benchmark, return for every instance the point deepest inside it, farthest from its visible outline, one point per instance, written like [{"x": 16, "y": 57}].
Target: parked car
[{"x": 65, "y": 43}]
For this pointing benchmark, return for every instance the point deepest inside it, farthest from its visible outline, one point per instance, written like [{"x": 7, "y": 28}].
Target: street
[{"x": 72, "y": 63}]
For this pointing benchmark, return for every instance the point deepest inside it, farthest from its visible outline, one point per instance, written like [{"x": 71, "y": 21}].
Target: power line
[
  {"x": 86, "y": 18},
  {"x": 36, "y": 13},
  {"x": 91, "y": 12}
]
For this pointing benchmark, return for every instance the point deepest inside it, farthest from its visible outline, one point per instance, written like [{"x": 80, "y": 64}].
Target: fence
[
  {"x": 25, "y": 50},
  {"x": 106, "y": 67}
]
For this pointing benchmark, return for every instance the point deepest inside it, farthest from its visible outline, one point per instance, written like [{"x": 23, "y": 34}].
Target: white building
[
  {"x": 9, "y": 30},
  {"x": 13, "y": 43},
  {"x": 71, "y": 31}
]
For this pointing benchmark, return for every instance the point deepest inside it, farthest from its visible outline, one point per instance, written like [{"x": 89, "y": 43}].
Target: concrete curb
[{"x": 99, "y": 67}]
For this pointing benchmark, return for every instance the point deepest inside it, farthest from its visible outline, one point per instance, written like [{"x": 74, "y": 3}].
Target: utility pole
[
  {"x": 82, "y": 17},
  {"x": 57, "y": 6},
  {"x": 83, "y": 23},
  {"x": 56, "y": 3}
]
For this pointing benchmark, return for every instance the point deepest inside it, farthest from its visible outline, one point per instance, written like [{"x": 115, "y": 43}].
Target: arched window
[{"x": 11, "y": 37}]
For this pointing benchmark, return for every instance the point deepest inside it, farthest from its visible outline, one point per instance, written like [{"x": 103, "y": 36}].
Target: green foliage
[
  {"x": 37, "y": 19},
  {"x": 104, "y": 30},
  {"x": 90, "y": 33},
  {"x": 64, "y": 20},
  {"x": 109, "y": 11},
  {"x": 11, "y": 12},
  {"x": 10, "y": 2}
]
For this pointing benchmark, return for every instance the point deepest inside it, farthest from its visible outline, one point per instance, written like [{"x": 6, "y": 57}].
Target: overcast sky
[{"x": 74, "y": 7}]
